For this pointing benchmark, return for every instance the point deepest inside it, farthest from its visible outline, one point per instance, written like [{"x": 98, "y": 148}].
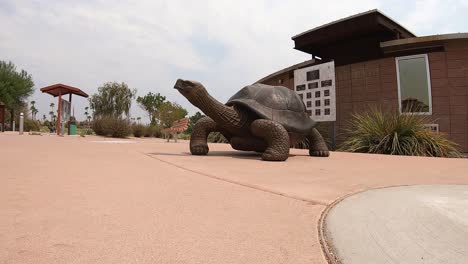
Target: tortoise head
[{"x": 190, "y": 89}]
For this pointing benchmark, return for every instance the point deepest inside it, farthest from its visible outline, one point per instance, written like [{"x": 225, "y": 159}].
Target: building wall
[{"x": 362, "y": 85}]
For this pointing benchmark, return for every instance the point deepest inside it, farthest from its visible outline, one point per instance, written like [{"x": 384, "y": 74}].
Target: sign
[
  {"x": 65, "y": 111},
  {"x": 316, "y": 86}
]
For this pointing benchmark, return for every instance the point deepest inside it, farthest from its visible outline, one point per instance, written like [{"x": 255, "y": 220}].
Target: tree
[
  {"x": 15, "y": 87},
  {"x": 192, "y": 120},
  {"x": 34, "y": 110},
  {"x": 138, "y": 119},
  {"x": 112, "y": 100},
  {"x": 52, "y": 112},
  {"x": 170, "y": 112},
  {"x": 151, "y": 103}
]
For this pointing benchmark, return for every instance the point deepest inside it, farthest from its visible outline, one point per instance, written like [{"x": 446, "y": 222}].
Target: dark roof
[
  {"x": 352, "y": 39},
  {"x": 420, "y": 43},
  {"x": 62, "y": 89}
]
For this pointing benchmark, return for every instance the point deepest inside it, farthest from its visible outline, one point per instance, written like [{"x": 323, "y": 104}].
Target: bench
[{"x": 177, "y": 126}]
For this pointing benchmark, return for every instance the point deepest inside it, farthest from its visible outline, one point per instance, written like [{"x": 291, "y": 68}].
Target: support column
[{"x": 59, "y": 113}]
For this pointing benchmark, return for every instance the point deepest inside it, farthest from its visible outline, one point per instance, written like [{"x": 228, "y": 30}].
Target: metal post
[
  {"x": 21, "y": 124},
  {"x": 14, "y": 125}
]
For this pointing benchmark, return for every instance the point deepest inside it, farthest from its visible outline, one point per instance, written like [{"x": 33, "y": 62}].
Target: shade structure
[{"x": 59, "y": 90}]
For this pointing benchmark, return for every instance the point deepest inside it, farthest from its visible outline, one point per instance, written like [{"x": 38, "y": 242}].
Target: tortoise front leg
[
  {"x": 276, "y": 137},
  {"x": 198, "y": 139},
  {"x": 317, "y": 145}
]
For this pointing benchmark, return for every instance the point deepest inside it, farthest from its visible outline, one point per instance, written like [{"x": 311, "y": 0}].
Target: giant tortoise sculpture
[{"x": 261, "y": 118}]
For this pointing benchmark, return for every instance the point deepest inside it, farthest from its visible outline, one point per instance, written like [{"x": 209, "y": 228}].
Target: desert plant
[
  {"x": 152, "y": 131},
  {"x": 396, "y": 134},
  {"x": 112, "y": 126},
  {"x": 138, "y": 130},
  {"x": 31, "y": 125}
]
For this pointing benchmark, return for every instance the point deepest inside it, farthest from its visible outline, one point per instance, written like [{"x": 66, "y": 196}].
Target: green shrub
[
  {"x": 152, "y": 131},
  {"x": 184, "y": 136},
  {"x": 217, "y": 137},
  {"x": 44, "y": 129},
  {"x": 111, "y": 126},
  {"x": 396, "y": 134},
  {"x": 138, "y": 130},
  {"x": 31, "y": 125}
]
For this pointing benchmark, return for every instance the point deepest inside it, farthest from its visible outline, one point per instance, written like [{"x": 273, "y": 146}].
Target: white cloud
[{"x": 149, "y": 44}]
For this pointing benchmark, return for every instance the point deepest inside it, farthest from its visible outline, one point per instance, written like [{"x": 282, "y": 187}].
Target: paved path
[
  {"x": 409, "y": 224},
  {"x": 95, "y": 200}
]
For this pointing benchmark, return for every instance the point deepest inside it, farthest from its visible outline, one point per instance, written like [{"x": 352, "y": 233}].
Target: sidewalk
[{"x": 96, "y": 200}]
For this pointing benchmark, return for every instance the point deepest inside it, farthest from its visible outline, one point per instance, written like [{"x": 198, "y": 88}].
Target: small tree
[
  {"x": 112, "y": 100},
  {"x": 170, "y": 112},
  {"x": 15, "y": 87},
  {"x": 151, "y": 103}
]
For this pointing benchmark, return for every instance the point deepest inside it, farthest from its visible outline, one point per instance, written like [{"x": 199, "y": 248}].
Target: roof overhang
[
  {"x": 420, "y": 43},
  {"x": 62, "y": 89},
  {"x": 351, "y": 39}
]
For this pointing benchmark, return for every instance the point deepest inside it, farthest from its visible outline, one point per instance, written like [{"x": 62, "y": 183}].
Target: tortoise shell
[{"x": 275, "y": 103}]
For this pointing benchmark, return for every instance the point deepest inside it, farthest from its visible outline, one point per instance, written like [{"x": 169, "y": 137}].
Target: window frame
[{"x": 429, "y": 86}]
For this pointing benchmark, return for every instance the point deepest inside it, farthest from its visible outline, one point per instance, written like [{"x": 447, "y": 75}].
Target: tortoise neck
[{"x": 219, "y": 112}]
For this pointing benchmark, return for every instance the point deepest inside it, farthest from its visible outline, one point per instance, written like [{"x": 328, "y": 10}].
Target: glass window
[
  {"x": 313, "y": 75},
  {"x": 313, "y": 85},
  {"x": 414, "y": 87},
  {"x": 317, "y": 94},
  {"x": 300, "y": 87}
]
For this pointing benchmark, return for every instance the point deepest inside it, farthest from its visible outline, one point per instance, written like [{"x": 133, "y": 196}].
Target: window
[
  {"x": 414, "y": 85},
  {"x": 326, "y": 83},
  {"x": 300, "y": 87},
  {"x": 309, "y": 104},
  {"x": 313, "y": 75},
  {"x": 327, "y": 102},
  {"x": 327, "y": 111},
  {"x": 317, "y": 112},
  {"x": 317, "y": 102},
  {"x": 301, "y": 96},
  {"x": 326, "y": 93},
  {"x": 309, "y": 95},
  {"x": 313, "y": 85},
  {"x": 317, "y": 94}
]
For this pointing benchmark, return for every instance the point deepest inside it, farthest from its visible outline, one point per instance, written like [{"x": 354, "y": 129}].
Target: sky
[{"x": 149, "y": 44}]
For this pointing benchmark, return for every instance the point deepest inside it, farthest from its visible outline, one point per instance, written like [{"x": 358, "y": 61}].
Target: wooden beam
[{"x": 59, "y": 111}]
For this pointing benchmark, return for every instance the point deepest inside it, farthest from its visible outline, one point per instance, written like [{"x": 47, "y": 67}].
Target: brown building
[{"x": 380, "y": 63}]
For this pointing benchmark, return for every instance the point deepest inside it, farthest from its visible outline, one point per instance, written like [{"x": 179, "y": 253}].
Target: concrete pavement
[
  {"x": 408, "y": 224},
  {"x": 96, "y": 200}
]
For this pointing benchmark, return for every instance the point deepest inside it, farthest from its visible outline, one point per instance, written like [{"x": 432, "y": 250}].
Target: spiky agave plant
[{"x": 393, "y": 133}]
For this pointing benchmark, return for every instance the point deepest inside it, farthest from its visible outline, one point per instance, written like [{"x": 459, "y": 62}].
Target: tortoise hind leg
[
  {"x": 317, "y": 145},
  {"x": 275, "y": 136},
  {"x": 198, "y": 139}
]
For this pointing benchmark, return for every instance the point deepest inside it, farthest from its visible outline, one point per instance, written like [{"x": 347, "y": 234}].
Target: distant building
[{"x": 380, "y": 63}]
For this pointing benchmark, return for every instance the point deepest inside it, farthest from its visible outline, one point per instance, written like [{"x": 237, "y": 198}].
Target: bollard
[
  {"x": 14, "y": 125},
  {"x": 21, "y": 124}
]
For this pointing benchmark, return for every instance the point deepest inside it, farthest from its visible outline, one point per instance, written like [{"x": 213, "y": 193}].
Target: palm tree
[{"x": 33, "y": 110}]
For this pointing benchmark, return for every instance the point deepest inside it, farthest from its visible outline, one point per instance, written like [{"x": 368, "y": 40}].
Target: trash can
[
  {"x": 72, "y": 129},
  {"x": 72, "y": 126}
]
